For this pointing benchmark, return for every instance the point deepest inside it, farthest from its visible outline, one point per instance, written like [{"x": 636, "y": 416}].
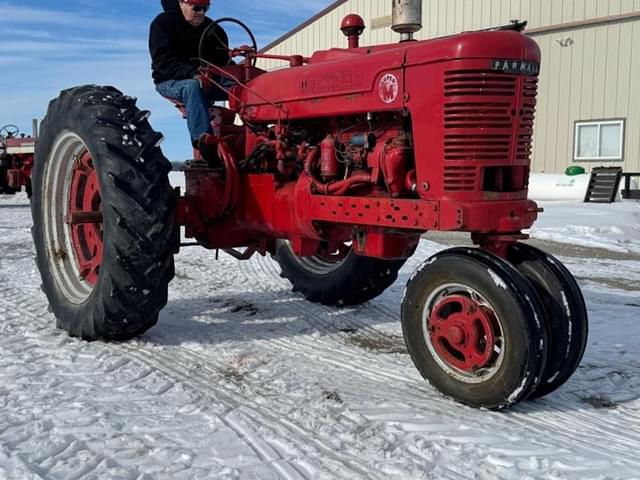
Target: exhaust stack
[{"x": 407, "y": 18}]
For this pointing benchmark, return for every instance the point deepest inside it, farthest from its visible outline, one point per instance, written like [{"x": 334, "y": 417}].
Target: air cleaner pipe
[{"x": 406, "y": 18}]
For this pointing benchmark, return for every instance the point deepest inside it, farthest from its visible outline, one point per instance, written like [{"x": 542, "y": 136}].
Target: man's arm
[{"x": 165, "y": 64}]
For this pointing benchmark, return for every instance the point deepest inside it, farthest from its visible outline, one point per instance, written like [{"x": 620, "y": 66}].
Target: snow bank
[{"x": 614, "y": 226}]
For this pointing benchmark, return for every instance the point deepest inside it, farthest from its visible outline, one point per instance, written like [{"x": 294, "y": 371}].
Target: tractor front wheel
[
  {"x": 338, "y": 277},
  {"x": 566, "y": 313},
  {"x": 473, "y": 327},
  {"x": 103, "y": 215}
]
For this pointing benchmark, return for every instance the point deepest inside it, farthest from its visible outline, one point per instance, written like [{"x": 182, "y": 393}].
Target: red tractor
[
  {"x": 342, "y": 162},
  {"x": 16, "y": 160}
]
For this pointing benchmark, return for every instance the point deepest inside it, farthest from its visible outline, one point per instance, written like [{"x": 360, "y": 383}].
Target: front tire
[
  {"x": 566, "y": 313},
  {"x": 473, "y": 328},
  {"x": 103, "y": 215}
]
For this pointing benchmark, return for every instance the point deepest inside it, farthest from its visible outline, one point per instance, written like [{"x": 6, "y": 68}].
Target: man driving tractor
[{"x": 174, "y": 40}]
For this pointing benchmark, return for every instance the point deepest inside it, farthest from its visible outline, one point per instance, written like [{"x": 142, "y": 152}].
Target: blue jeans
[{"x": 195, "y": 101}]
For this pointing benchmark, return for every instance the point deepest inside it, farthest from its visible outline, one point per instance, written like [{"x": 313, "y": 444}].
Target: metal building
[{"x": 588, "y": 101}]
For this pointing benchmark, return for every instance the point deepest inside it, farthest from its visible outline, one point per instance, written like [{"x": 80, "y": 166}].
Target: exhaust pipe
[
  {"x": 35, "y": 128},
  {"x": 406, "y": 18}
]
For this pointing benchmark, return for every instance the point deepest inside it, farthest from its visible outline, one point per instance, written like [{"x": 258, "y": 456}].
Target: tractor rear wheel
[
  {"x": 103, "y": 213},
  {"x": 337, "y": 278},
  {"x": 472, "y": 327},
  {"x": 566, "y": 313}
]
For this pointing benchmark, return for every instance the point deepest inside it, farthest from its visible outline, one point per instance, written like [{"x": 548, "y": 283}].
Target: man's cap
[{"x": 198, "y": 2}]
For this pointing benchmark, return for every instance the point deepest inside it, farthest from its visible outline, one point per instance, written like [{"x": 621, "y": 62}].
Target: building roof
[{"x": 303, "y": 25}]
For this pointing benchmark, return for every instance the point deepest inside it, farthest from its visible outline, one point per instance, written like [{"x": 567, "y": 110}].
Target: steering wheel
[
  {"x": 205, "y": 53},
  {"x": 9, "y": 131}
]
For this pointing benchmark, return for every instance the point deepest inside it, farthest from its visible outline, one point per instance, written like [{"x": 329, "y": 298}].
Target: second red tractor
[{"x": 16, "y": 160}]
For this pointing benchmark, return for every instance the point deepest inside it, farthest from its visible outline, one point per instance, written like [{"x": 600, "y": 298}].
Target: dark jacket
[{"x": 173, "y": 44}]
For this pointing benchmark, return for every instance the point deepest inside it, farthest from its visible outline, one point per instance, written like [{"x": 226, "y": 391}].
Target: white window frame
[{"x": 599, "y": 124}]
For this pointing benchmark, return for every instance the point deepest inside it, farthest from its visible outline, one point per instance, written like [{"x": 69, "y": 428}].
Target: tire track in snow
[
  {"x": 267, "y": 272},
  {"x": 66, "y": 450},
  {"x": 589, "y": 426},
  {"x": 210, "y": 369},
  {"x": 175, "y": 365},
  {"x": 29, "y": 305}
]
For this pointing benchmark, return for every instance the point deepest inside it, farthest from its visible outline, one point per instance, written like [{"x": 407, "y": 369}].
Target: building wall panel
[{"x": 633, "y": 124}]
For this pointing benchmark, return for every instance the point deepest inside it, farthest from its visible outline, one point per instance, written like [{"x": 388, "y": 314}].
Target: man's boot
[{"x": 208, "y": 146}]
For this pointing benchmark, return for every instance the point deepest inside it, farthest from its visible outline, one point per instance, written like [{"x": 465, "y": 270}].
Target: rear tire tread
[{"x": 138, "y": 208}]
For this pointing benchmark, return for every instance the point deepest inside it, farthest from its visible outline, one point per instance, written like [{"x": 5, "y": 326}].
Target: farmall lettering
[
  {"x": 389, "y": 88},
  {"x": 516, "y": 67}
]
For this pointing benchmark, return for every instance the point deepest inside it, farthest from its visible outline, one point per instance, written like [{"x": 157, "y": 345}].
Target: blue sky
[{"x": 47, "y": 46}]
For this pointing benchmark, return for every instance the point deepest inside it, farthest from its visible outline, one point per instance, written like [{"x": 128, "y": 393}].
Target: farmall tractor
[
  {"x": 16, "y": 160},
  {"x": 342, "y": 162}
]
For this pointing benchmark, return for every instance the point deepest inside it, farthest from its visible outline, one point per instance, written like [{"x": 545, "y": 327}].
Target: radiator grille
[
  {"x": 527, "y": 117},
  {"x": 477, "y": 147},
  {"x": 458, "y": 179},
  {"x": 476, "y": 114},
  {"x": 478, "y": 82},
  {"x": 530, "y": 87},
  {"x": 483, "y": 130}
]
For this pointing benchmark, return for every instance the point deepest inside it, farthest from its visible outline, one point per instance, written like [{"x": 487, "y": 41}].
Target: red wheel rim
[
  {"x": 85, "y": 218},
  {"x": 462, "y": 332}
]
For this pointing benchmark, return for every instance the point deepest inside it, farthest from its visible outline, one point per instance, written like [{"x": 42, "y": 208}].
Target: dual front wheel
[
  {"x": 491, "y": 333},
  {"x": 486, "y": 331}
]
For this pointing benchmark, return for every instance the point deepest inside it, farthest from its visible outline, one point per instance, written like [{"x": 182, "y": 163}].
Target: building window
[{"x": 599, "y": 140}]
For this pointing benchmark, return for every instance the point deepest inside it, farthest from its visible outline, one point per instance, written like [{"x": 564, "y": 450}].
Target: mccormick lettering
[{"x": 332, "y": 83}]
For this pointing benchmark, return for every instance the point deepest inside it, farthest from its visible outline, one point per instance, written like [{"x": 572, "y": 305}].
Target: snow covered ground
[{"x": 243, "y": 379}]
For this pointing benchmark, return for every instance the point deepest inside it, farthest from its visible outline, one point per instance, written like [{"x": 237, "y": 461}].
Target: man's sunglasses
[{"x": 198, "y": 8}]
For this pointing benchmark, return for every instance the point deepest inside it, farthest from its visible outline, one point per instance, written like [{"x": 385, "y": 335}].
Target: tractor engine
[{"x": 370, "y": 155}]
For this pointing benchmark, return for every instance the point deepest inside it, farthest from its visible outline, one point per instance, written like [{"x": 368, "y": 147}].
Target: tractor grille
[
  {"x": 459, "y": 179},
  {"x": 527, "y": 117},
  {"x": 480, "y": 111},
  {"x": 478, "y": 83},
  {"x": 477, "y": 147}
]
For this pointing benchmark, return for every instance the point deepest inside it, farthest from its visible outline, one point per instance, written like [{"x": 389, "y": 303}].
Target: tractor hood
[
  {"x": 170, "y": 6},
  {"x": 358, "y": 76}
]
